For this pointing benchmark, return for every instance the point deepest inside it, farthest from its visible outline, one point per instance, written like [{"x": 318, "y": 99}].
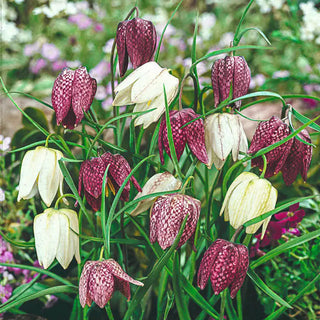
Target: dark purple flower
[
  {"x": 136, "y": 39},
  {"x": 290, "y": 219},
  {"x": 193, "y": 134},
  {"x": 91, "y": 176},
  {"x": 268, "y": 133},
  {"x": 226, "y": 264},
  {"x": 167, "y": 215},
  {"x": 99, "y": 279},
  {"x": 298, "y": 160},
  {"x": 227, "y": 72},
  {"x": 72, "y": 95}
]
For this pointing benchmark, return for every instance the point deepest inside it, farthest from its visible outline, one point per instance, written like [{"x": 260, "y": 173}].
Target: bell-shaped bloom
[
  {"x": 193, "y": 134},
  {"x": 226, "y": 264},
  {"x": 249, "y": 197},
  {"x": 224, "y": 134},
  {"x": 145, "y": 88},
  {"x": 136, "y": 39},
  {"x": 72, "y": 95},
  {"x": 40, "y": 172},
  {"x": 160, "y": 182},
  {"x": 91, "y": 177},
  {"x": 230, "y": 73},
  {"x": 99, "y": 279},
  {"x": 298, "y": 160},
  {"x": 167, "y": 215},
  {"x": 55, "y": 234},
  {"x": 268, "y": 133}
]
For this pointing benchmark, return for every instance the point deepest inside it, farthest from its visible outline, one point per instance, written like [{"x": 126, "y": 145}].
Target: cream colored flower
[
  {"x": 55, "y": 236},
  {"x": 249, "y": 197},
  {"x": 224, "y": 134},
  {"x": 158, "y": 183},
  {"x": 144, "y": 87},
  {"x": 40, "y": 172}
]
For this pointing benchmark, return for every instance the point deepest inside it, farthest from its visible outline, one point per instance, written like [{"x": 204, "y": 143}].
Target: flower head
[
  {"x": 230, "y": 72},
  {"x": 99, "y": 279},
  {"x": 193, "y": 134},
  {"x": 91, "y": 177},
  {"x": 167, "y": 215},
  {"x": 55, "y": 234},
  {"x": 226, "y": 264},
  {"x": 40, "y": 172},
  {"x": 160, "y": 182},
  {"x": 72, "y": 95},
  {"x": 249, "y": 197},
  {"x": 144, "y": 87},
  {"x": 136, "y": 39},
  {"x": 224, "y": 134}
]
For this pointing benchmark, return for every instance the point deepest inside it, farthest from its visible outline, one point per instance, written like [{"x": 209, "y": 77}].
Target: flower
[
  {"x": 72, "y": 95},
  {"x": 226, "y": 264},
  {"x": 160, "y": 182},
  {"x": 81, "y": 20},
  {"x": 136, "y": 39},
  {"x": 144, "y": 87},
  {"x": 298, "y": 160},
  {"x": 249, "y": 197},
  {"x": 55, "y": 234},
  {"x": 50, "y": 51},
  {"x": 268, "y": 133},
  {"x": 4, "y": 143},
  {"x": 37, "y": 65},
  {"x": 290, "y": 219},
  {"x": 230, "y": 73},
  {"x": 40, "y": 172},
  {"x": 5, "y": 292},
  {"x": 193, "y": 134},
  {"x": 99, "y": 279},
  {"x": 224, "y": 134},
  {"x": 167, "y": 215},
  {"x": 91, "y": 176}
]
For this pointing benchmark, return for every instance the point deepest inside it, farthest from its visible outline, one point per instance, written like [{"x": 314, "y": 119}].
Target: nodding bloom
[
  {"x": 91, "y": 177},
  {"x": 249, "y": 197},
  {"x": 40, "y": 172},
  {"x": 144, "y": 87},
  {"x": 226, "y": 264},
  {"x": 167, "y": 215},
  {"x": 99, "y": 279},
  {"x": 72, "y": 95},
  {"x": 55, "y": 234},
  {"x": 193, "y": 134},
  {"x": 230, "y": 73},
  {"x": 290, "y": 157},
  {"x": 160, "y": 182},
  {"x": 136, "y": 39},
  {"x": 224, "y": 134}
]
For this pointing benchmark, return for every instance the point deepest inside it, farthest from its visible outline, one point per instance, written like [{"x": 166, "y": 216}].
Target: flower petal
[
  {"x": 84, "y": 296},
  {"x": 121, "y": 47}
]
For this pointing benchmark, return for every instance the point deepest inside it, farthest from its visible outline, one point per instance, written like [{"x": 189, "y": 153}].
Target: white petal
[
  {"x": 65, "y": 250},
  {"x": 30, "y": 168},
  {"x": 123, "y": 97},
  {"x": 46, "y": 235},
  {"x": 234, "y": 124}
]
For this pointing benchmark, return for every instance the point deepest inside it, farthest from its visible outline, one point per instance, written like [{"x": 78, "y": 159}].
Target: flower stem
[
  {"x": 247, "y": 239},
  {"x": 48, "y": 138},
  {"x": 223, "y": 304},
  {"x": 265, "y": 163},
  {"x": 236, "y": 234},
  {"x": 63, "y": 196}
]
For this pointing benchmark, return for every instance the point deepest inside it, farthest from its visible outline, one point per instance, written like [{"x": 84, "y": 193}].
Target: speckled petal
[
  {"x": 121, "y": 47},
  {"x": 215, "y": 82},
  {"x": 241, "y": 79},
  {"x": 84, "y": 283}
]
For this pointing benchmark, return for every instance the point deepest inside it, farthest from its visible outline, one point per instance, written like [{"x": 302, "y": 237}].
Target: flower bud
[{"x": 230, "y": 72}]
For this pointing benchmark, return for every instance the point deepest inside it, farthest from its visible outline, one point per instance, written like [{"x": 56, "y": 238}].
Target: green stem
[
  {"x": 223, "y": 304},
  {"x": 247, "y": 239},
  {"x": 236, "y": 234},
  {"x": 64, "y": 196},
  {"x": 265, "y": 164},
  {"x": 239, "y": 305}
]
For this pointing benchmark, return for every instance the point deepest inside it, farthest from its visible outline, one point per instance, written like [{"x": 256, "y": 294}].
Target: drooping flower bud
[
  {"x": 40, "y": 172},
  {"x": 167, "y": 215},
  {"x": 268, "y": 133},
  {"x": 226, "y": 264},
  {"x": 99, "y": 279},
  {"x": 91, "y": 176},
  {"x": 224, "y": 134},
  {"x": 193, "y": 134},
  {"x": 72, "y": 95},
  {"x": 160, "y": 182},
  {"x": 136, "y": 38},
  {"x": 55, "y": 233},
  {"x": 230, "y": 72},
  {"x": 144, "y": 87},
  {"x": 249, "y": 197}
]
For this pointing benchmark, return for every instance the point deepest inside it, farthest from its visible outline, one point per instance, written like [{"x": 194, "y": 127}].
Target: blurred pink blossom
[
  {"x": 98, "y": 27},
  {"x": 31, "y": 49},
  {"x": 5, "y": 293},
  {"x": 37, "y": 65},
  {"x": 101, "y": 93},
  {"x": 59, "y": 65},
  {"x": 50, "y": 51},
  {"x": 81, "y": 20},
  {"x": 100, "y": 71}
]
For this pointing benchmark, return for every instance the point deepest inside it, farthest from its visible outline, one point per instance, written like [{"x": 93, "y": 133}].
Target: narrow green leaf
[
  {"x": 22, "y": 244},
  {"x": 304, "y": 119},
  {"x": 255, "y": 29}
]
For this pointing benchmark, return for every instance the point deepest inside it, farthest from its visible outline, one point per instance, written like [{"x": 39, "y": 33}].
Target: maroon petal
[
  {"x": 121, "y": 47},
  {"x": 84, "y": 283},
  {"x": 69, "y": 120},
  {"x": 241, "y": 270},
  {"x": 61, "y": 94},
  {"x": 141, "y": 39},
  {"x": 123, "y": 286},
  {"x": 83, "y": 91},
  {"x": 215, "y": 82},
  {"x": 94, "y": 203},
  {"x": 226, "y": 71}
]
